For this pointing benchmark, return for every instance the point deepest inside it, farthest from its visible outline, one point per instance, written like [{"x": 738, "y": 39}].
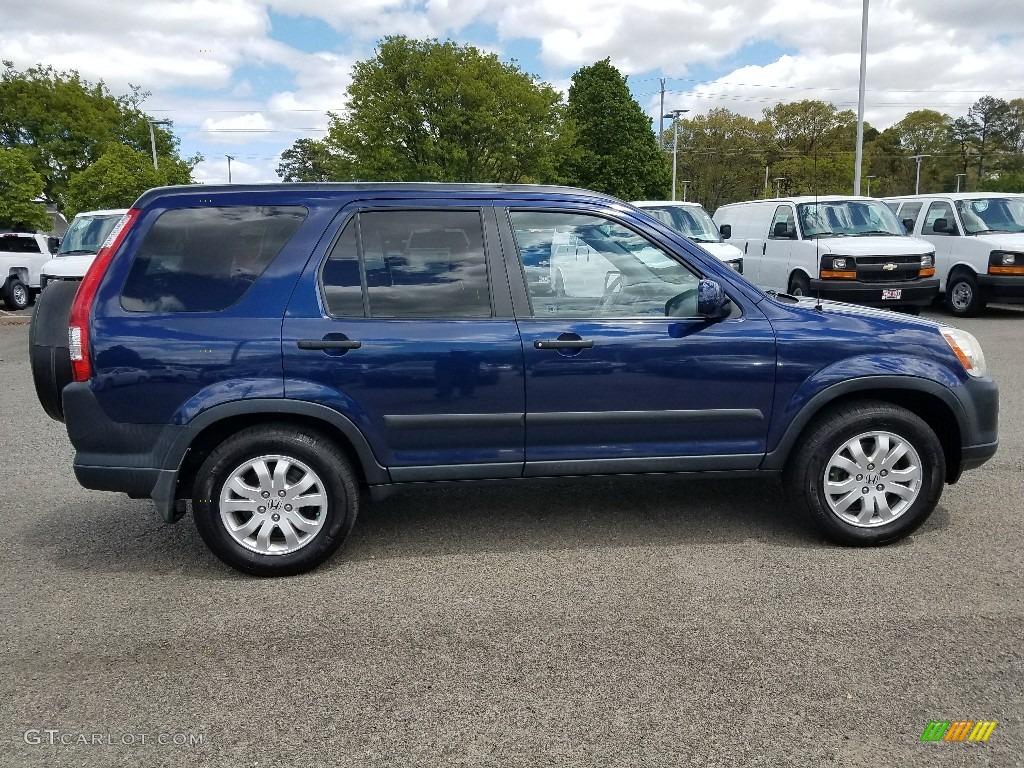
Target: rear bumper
[
  {"x": 1002, "y": 286},
  {"x": 915, "y": 293}
]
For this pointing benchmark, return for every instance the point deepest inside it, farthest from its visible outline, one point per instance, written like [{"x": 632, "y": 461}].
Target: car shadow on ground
[{"x": 127, "y": 535}]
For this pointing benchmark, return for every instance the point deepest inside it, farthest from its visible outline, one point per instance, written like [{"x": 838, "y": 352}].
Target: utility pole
[
  {"x": 674, "y": 114},
  {"x": 860, "y": 98},
  {"x": 917, "y": 184},
  {"x": 152, "y": 137},
  {"x": 685, "y": 185},
  {"x": 778, "y": 185},
  {"x": 230, "y": 158},
  {"x": 661, "y": 120},
  {"x": 869, "y": 178},
  {"x": 958, "y": 181}
]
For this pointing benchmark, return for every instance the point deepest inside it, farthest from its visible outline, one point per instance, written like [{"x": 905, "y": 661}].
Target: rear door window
[
  {"x": 19, "y": 244},
  {"x": 205, "y": 259},
  {"x": 408, "y": 264}
]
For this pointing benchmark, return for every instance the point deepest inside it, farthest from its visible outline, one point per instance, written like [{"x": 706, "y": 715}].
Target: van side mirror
[
  {"x": 712, "y": 302},
  {"x": 939, "y": 227},
  {"x": 726, "y": 231},
  {"x": 781, "y": 229},
  {"x": 908, "y": 224}
]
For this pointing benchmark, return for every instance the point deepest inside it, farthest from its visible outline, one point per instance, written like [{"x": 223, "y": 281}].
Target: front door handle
[
  {"x": 563, "y": 344},
  {"x": 328, "y": 344}
]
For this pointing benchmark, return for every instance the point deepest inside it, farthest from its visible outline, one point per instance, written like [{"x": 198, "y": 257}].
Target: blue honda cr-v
[{"x": 267, "y": 351}]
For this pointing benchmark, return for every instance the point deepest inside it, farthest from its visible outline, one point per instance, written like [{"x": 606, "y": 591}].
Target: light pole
[
  {"x": 917, "y": 184},
  {"x": 860, "y": 97},
  {"x": 868, "y": 179},
  {"x": 230, "y": 158},
  {"x": 958, "y": 180},
  {"x": 152, "y": 137},
  {"x": 778, "y": 185},
  {"x": 674, "y": 114},
  {"x": 685, "y": 185}
]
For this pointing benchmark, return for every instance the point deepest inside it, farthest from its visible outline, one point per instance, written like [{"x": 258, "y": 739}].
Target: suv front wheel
[
  {"x": 867, "y": 473},
  {"x": 275, "y": 501}
]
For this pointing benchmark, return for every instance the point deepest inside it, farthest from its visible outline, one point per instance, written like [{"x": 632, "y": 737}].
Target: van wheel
[
  {"x": 867, "y": 473},
  {"x": 963, "y": 298},
  {"x": 16, "y": 295},
  {"x": 275, "y": 501},
  {"x": 799, "y": 285}
]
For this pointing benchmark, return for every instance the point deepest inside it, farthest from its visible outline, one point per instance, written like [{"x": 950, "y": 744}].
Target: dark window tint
[
  {"x": 204, "y": 259},
  {"x": 424, "y": 264},
  {"x": 343, "y": 290},
  {"x": 18, "y": 244}
]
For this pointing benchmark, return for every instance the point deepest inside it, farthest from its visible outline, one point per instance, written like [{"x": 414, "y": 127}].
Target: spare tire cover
[{"x": 48, "y": 345}]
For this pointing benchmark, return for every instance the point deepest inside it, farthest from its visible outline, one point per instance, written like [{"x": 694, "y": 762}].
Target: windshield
[
  {"x": 690, "y": 221},
  {"x": 845, "y": 218},
  {"x": 991, "y": 214},
  {"x": 87, "y": 233}
]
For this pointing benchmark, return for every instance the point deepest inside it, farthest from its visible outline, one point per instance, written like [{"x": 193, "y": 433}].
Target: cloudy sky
[{"x": 247, "y": 78}]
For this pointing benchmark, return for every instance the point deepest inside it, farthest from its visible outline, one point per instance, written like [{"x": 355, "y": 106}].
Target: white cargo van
[
  {"x": 83, "y": 239},
  {"x": 979, "y": 244},
  {"x": 833, "y": 247},
  {"x": 695, "y": 224}
]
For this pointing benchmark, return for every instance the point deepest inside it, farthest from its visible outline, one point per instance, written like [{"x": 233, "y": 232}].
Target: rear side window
[
  {"x": 205, "y": 259},
  {"x": 405, "y": 264},
  {"x": 18, "y": 244}
]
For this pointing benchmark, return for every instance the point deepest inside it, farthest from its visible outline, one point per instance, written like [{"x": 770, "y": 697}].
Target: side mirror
[
  {"x": 939, "y": 227},
  {"x": 712, "y": 302},
  {"x": 726, "y": 231},
  {"x": 908, "y": 224},
  {"x": 781, "y": 229}
]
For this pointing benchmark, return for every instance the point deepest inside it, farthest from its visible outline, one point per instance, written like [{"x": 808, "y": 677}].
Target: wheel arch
[
  {"x": 210, "y": 428},
  {"x": 931, "y": 402}
]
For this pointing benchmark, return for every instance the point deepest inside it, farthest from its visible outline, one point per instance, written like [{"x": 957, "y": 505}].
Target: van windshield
[
  {"x": 690, "y": 221},
  {"x": 87, "y": 233},
  {"x": 992, "y": 214},
  {"x": 846, "y": 218}
]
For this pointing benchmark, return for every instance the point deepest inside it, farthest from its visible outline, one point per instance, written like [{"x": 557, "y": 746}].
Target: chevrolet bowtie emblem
[{"x": 889, "y": 267}]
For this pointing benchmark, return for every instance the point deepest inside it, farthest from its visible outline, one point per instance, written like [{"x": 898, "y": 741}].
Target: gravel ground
[{"x": 633, "y": 623}]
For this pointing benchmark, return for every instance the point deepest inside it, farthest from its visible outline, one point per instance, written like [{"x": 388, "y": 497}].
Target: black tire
[
  {"x": 48, "y": 345},
  {"x": 16, "y": 294},
  {"x": 963, "y": 297},
  {"x": 826, "y": 437},
  {"x": 799, "y": 285},
  {"x": 335, "y": 480}
]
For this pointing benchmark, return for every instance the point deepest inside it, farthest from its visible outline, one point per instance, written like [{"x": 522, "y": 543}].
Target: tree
[
  {"x": 987, "y": 116},
  {"x": 421, "y": 110},
  {"x": 615, "y": 149},
  {"x": 310, "y": 160},
  {"x": 65, "y": 124},
  {"x": 810, "y": 144},
  {"x": 20, "y": 186},
  {"x": 722, "y": 159},
  {"x": 113, "y": 181}
]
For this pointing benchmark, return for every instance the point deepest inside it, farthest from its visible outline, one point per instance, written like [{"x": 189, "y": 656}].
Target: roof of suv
[{"x": 402, "y": 187}]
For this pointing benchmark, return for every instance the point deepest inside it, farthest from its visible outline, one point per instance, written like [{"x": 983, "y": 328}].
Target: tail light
[{"x": 78, "y": 322}]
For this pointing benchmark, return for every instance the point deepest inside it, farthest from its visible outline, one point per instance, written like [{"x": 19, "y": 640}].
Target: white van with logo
[
  {"x": 979, "y": 244},
  {"x": 836, "y": 247},
  {"x": 695, "y": 224}
]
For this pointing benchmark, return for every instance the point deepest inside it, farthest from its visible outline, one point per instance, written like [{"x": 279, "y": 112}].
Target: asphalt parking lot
[{"x": 633, "y": 623}]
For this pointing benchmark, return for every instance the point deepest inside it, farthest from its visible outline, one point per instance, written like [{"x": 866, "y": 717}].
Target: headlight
[
  {"x": 1008, "y": 259},
  {"x": 928, "y": 260},
  {"x": 838, "y": 263},
  {"x": 967, "y": 349}
]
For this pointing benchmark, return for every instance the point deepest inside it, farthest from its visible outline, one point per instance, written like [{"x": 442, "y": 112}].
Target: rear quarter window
[
  {"x": 205, "y": 259},
  {"x": 18, "y": 244}
]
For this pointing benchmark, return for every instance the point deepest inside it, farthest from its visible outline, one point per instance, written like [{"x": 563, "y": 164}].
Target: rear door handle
[
  {"x": 328, "y": 344},
  {"x": 563, "y": 344}
]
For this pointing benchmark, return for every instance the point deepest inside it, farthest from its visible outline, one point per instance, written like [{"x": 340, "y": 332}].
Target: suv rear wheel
[
  {"x": 867, "y": 473},
  {"x": 274, "y": 501}
]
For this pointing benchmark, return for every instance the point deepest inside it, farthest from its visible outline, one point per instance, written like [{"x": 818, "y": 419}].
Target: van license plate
[{"x": 891, "y": 293}]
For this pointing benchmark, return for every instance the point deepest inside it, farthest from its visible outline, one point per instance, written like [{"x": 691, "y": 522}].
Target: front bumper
[
  {"x": 995, "y": 287},
  {"x": 913, "y": 293},
  {"x": 979, "y": 437}
]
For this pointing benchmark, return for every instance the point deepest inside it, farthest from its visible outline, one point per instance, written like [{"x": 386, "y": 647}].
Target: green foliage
[
  {"x": 721, "y": 155},
  {"x": 20, "y": 185},
  {"x": 114, "y": 181},
  {"x": 1005, "y": 182},
  {"x": 614, "y": 150},
  {"x": 421, "y": 110},
  {"x": 310, "y": 160},
  {"x": 65, "y": 124}
]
